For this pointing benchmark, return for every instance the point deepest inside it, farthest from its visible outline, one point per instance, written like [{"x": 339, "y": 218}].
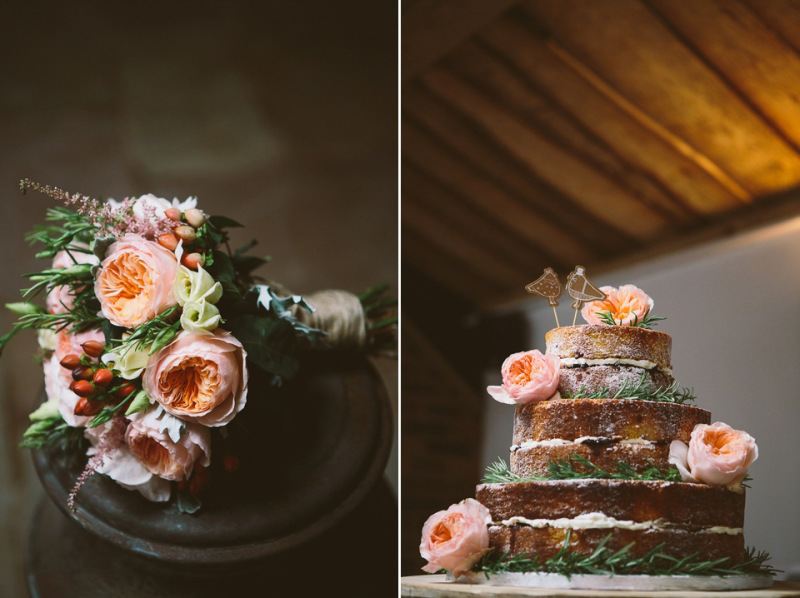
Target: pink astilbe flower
[
  {"x": 112, "y": 220},
  {"x": 109, "y": 440}
]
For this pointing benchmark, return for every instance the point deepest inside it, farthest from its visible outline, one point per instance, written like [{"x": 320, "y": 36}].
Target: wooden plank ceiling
[{"x": 560, "y": 132}]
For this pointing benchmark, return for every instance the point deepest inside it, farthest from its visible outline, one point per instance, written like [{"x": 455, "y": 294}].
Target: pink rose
[
  {"x": 716, "y": 455},
  {"x": 625, "y": 304},
  {"x": 135, "y": 281},
  {"x": 528, "y": 377},
  {"x": 159, "y": 454},
  {"x": 199, "y": 377},
  {"x": 455, "y": 539},
  {"x": 61, "y": 298},
  {"x": 114, "y": 458}
]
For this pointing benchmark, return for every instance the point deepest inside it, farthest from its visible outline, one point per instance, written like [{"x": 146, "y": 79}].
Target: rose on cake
[
  {"x": 626, "y": 305},
  {"x": 716, "y": 454},
  {"x": 455, "y": 539},
  {"x": 528, "y": 377}
]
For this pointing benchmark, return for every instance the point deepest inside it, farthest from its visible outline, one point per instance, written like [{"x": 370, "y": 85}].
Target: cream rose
[
  {"x": 455, "y": 539},
  {"x": 199, "y": 377},
  {"x": 528, "y": 377},
  {"x": 716, "y": 454},
  {"x": 135, "y": 281},
  {"x": 626, "y": 304},
  {"x": 193, "y": 286},
  {"x": 156, "y": 451},
  {"x": 128, "y": 361},
  {"x": 200, "y": 316}
]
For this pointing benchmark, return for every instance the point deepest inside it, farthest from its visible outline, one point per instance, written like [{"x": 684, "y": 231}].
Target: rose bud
[
  {"x": 86, "y": 407},
  {"x": 173, "y": 214},
  {"x": 103, "y": 377},
  {"x": 186, "y": 234},
  {"x": 70, "y": 361},
  {"x": 195, "y": 217},
  {"x": 125, "y": 391},
  {"x": 93, "y": 348},
  {"x": 230, "y": 462},
  {"x": 168, "y": 241},
  {"x": 83, "y": 388},
  {"x": 82, "y": 372},
  {"x": 193, "y": 260}
]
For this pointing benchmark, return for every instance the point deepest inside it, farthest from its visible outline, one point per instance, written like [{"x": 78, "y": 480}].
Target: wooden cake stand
[{"x": 436, "y": 586}]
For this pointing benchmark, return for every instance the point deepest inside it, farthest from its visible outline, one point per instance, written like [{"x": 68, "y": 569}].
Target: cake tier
[
  {"x": 534, "y": 517},
  {"x": 604, "y": 431},
  {"x": 595, "y": 357}
]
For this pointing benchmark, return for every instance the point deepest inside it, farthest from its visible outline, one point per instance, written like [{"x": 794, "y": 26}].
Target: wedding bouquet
[{"x": 150, "y": 331}]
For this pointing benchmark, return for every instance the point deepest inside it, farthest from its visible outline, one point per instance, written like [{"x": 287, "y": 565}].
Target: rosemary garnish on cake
[
  {"x": 647, "y": 321},
  {"x": 604, "y": 561},
  {"x": 639, "y": 391},
  {"x": 576, "y": 467}
]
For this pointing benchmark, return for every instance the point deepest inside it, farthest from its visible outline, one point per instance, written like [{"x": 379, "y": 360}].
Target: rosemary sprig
[
  {"x": 157, "y": 333},
  {"x": 638, "y": 391},
  {"x": 647, "y": 321},
  {"x": 604, "y": 561},
  {"x": 576, "y": 467}
]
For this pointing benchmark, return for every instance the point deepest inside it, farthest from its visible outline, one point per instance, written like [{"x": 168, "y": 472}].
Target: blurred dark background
[{"x": 281, "y": 115}]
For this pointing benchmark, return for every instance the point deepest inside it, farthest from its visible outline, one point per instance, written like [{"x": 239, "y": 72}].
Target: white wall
[{"x": 733, "y": 311}]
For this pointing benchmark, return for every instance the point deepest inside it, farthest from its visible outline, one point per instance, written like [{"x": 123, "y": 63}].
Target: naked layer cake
[{"x": 606, "y": 458}]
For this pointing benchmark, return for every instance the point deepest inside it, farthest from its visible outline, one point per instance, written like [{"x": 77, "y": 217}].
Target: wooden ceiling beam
[
  {"x": 645, "y": 148},
  {"x": 432, "y": 28},
  {"x": 488, "y": 196},
  {"x": 482, "y": 154},
  {"x": 585, "y": 186},
  {"x": 640, "y": 61}
]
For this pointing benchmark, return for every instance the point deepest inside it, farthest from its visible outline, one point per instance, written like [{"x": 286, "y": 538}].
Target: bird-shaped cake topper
[
  {"x": 582, "y": 290},
  {"x": 547, "y": 285}
]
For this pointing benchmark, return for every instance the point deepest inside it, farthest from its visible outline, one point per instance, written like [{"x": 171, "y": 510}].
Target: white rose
[
  {"x": 192, "y": 286},
  {"x": 200, "y": 316},
  {"x": 127, "y": 360}
]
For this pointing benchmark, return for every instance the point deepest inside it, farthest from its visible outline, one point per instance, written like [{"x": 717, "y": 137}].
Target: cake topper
[
  {"x": 582, "y": 290},
  {"x": 548, "y": 286}
]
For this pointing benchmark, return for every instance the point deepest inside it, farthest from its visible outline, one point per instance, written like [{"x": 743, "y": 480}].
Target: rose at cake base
[{"x": 611, "y": 473}]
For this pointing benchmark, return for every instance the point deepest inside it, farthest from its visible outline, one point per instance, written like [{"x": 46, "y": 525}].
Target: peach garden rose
[
  {"x": 455, "y": 539},
  {"x": 159, "y": 454},
  {"x": 199, "y": 377},
  {"x": 528, "y": 377},
  {"x": 716, "y": 454},
  {"x": 135, "y": 281},
  {"x": 626, "y": 304}
]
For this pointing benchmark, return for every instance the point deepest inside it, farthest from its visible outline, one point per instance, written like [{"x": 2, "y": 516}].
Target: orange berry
[
  {"x": 93, "y": 348},
  {"x": 103, "y": 377},
  {"x": 193, "y": 260},
  {"x": 71, "y": 361},
  {"x": 195, "y": 217},
  {"x": 230, "y": 462},
  {"x": 86, "y": 407},
  {"x": 83, "y": 388},
  {"x": 186, "y": 234},
  {"x": 82, "y": 372},
  {"x": 173, "y": 214},
  {"x": 169, "y": 241},
  {"x": 125, "y": 391}
]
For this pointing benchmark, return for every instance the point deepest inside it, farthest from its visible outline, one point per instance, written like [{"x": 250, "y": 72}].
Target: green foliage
[
  {"x": 647, "y": 321},
  {"x": 186, "y": 502},
  {"x": 638, "y": 391},
  {"x": 576, "y": 467},
  {"x": 604, "y": 561},
  {"x": 53, "y": 430}
]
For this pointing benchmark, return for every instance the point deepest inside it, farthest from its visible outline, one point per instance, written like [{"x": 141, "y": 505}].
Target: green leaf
[
  {"x": 187, "y": 503},
  {"x": 221, "y": 222},
  {"x": 25, "y": 307},
  {"x": 271, "y": 343}
]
